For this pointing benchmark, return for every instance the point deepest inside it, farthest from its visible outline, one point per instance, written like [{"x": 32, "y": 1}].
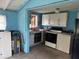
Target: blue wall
[
  {"x": 23, "y": 18},
  {"x": 12, "y": 19},
  {"x": 24, "y": 29},
  {"x": 71, "y": 20}
]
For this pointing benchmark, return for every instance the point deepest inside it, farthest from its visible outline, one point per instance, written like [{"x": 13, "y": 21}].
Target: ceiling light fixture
[{"x": 57, "y": 10}]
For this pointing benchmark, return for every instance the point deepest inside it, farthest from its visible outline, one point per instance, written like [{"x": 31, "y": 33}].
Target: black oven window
[{"x": 51, "y": 37}]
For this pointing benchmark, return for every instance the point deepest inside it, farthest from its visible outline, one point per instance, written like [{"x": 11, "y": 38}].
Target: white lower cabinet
[
  {"x": 63, "y": 42},
  {"x": 35, "y": 38},
  {"x": 31, "y": 39},
  {"x": 5, "y": 45}
]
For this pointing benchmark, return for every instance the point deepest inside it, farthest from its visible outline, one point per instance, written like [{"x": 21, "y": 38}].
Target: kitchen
[
  {"x": 53, "y": 32},
  {"x": 40, "y": 29}
]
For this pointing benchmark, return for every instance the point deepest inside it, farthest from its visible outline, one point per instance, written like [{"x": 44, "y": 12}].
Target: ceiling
[
  {"x": 12, "y": 4},
  {"x": 4, "y": 4},
  {"x": 18, "y": 4},
  {"x": 63, "y": 6}
]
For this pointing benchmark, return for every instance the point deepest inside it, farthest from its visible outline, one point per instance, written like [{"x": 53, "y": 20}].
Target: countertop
[
  {"x": 59, "y": 32},
  {"x": 35, "y": 32},
  {"x": 52, "y": 31}
]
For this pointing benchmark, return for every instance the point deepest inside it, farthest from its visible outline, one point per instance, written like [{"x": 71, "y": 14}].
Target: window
[
  {"x": 34, "y": 21},
  {"x": 2, "y": 22}
]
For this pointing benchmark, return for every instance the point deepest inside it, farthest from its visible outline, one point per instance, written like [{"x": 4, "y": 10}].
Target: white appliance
[{"x": 5, "y": 45}]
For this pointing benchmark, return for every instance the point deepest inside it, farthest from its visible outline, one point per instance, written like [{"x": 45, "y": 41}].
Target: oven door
[{"x": 50, "y": 37}]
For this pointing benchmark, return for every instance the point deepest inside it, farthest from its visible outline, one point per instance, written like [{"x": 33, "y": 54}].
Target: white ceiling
[
  {"x": 12, "y": 4},
  {"x": 17, "y": 4},
  {"x": 64, "y": 6},
  {"x": 4, "y": 4}
]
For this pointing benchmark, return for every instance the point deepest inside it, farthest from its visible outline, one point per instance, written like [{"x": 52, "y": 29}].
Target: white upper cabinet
[
  {"x": 63, "y": 19},
  {"x": 45, "y": 19},
  {"x": 59, "y": 19},
  {"x": 56, "y": 23},
  {"x": 54, "y": 19}
]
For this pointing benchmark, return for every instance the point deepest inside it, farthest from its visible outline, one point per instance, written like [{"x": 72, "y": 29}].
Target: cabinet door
[
  {"x": 50, "y": 37},
  {"x": 63, "y": 42},
  {"x": 54, "y": 20},
  {"x": 37, "y": 37},
  {"x": 45, "y": 19},
  {"x": 31, "y": 39},
  {"x": 63, "y": 19}
]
